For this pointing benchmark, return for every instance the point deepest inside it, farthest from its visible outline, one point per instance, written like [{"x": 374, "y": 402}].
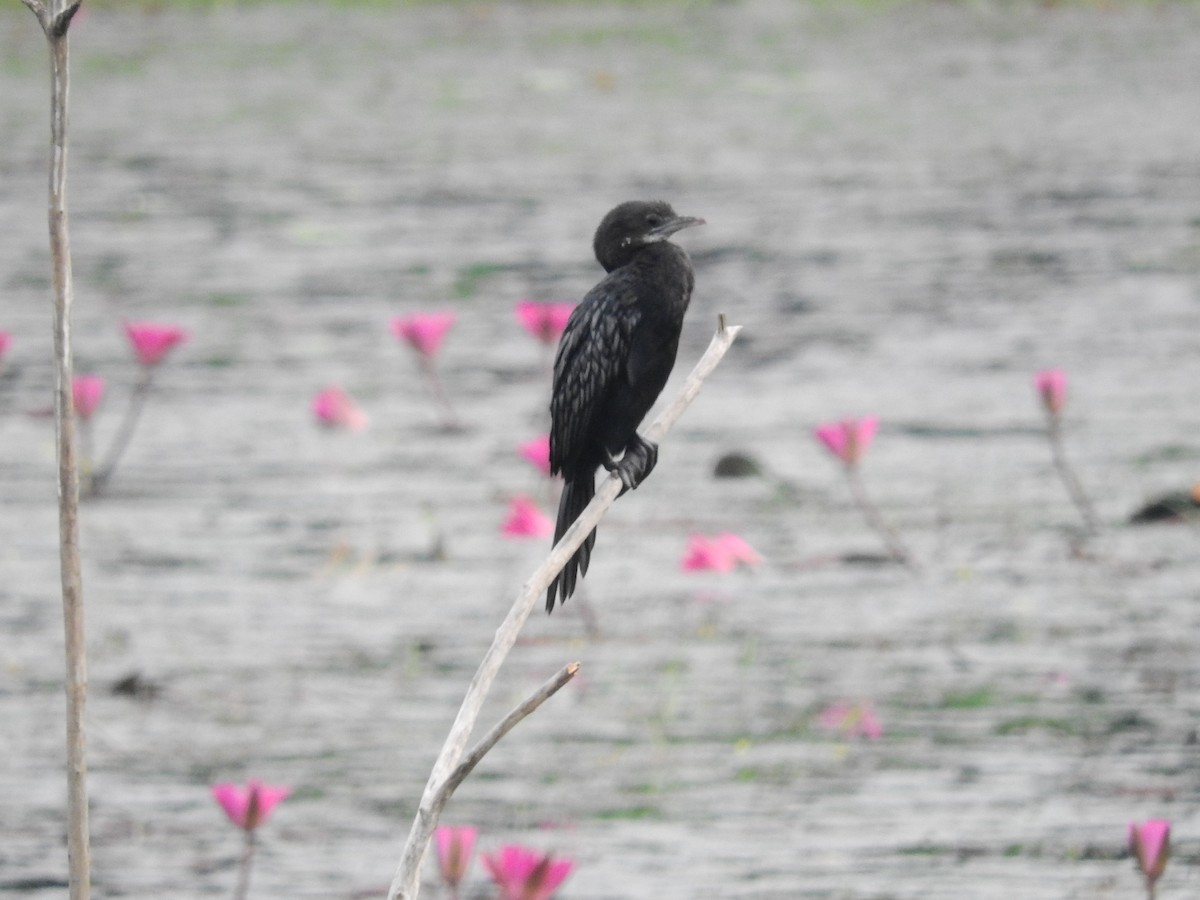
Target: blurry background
[{"x": 911, "y": 206}]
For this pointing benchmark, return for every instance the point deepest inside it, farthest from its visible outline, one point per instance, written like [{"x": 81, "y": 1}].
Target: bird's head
[{"x": 632, "y": 225}]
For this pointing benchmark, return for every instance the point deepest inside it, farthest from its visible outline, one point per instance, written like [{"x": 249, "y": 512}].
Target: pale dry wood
[
  {"x": 55, "y": 22},
  {"x": 499, "y": 730},
  {"x": 407, "y": 881},
  {"x": 39, "y": 10}
]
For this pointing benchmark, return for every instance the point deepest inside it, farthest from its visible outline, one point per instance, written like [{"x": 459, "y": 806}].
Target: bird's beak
[{"x": 669, "y": 227}]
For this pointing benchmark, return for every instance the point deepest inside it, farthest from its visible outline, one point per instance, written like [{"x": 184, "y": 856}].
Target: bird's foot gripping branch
[
  {"x": 454, "y": 763},
  {"x": 637, "y": 462}
]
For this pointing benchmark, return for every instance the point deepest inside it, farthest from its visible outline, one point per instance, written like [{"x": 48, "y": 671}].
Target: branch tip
[
  {"x": 61, "y": 22},
  {"x": 39, "y": 10},
  {"x": 503, "y": 727}
]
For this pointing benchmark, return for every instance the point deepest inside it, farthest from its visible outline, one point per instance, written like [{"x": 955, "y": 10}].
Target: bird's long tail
[{"x": 577, "y": 493}]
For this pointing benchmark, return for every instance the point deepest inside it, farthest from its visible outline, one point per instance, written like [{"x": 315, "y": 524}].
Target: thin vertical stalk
[
  {"x": 87, "y": 460},
  {"x": 895, "y": 547},
  {"x": 243, "y": 882},
  {"x": 434, "y": 382},
  {"x": 1074, "y": 489},
  {"x": 78, "y": 845},
  {"x": 55, "y": 19},
  {"x": 137, "y": 401}
]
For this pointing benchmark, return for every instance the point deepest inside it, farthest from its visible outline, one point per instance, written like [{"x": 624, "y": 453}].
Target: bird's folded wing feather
[{"x": 592, "y": 357}]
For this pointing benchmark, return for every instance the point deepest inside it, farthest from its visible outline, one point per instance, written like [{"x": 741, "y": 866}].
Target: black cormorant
[{"x": 613, "y": 359}]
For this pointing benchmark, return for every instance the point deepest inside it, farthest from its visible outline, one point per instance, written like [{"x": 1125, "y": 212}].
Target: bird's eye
[{"x": 654, "y": 220}]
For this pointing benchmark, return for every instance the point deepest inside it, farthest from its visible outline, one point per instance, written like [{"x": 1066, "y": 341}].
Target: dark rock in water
[
  {"x": 737, "y": 465},
  {"x": 1177, "y": 506},
  {"x": 35, "y": 883},
  {"x": 136, "y": 685},
  {"x": 868, "y": 559}
]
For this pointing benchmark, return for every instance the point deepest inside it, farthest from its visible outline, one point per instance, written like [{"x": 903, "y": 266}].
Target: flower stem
[
  {"x": 434, "y": 382},
  {"x": 243, "y": 882},
  {"x": 137, "y": 400},
  {"x": 895, "y": 547},
  {"x": 1067, "y": 474},
  {"x": 86, "y": 461}
]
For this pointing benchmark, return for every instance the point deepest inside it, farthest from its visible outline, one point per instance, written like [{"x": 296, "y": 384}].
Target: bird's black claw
[
  {"x": 643, "y": 456},
  {"x": 624, "y": 470},
  {"x": 639, "y": 459},
  {"x": 651, "y": 453}
]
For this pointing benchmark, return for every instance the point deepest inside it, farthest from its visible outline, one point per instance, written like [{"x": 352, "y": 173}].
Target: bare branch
[
  {"x": 406, "y": 882},
  {"x": 499, "y": 730},
  {"x": 62, "y": 21},
  {"x": 75, "y": 644},
  {"x": 39, "y": 9}
]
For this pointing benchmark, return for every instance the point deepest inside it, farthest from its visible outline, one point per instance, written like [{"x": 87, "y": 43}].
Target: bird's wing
[{"x": 592, "y": 357}]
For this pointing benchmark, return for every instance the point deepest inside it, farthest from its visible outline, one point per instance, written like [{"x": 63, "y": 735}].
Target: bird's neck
[{"x": 665, "y": 274}]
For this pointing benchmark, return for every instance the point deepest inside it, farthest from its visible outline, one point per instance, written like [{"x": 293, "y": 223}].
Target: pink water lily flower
[
  {"x": 5, "y": 342},
  {"x": 717, "y": 554},
  {"x": 455, "y": 844},
  {"x": 848, "y": 439},
  {"x": 424, "y": 331},
  {"x": 334, "y": 408},
  {"x": 526, "y": 520},
  {"x": 705, "y": 554},
  {"x": 525, "y": 874},
  {"x": 545, "y": 321},
  {"x": 250, "y": 806},
  {"x": 1051, "y": 385},
  {"x": 738, "y": 549},
  {"x": 87, "y": 391},
  {"x": 1150, "y": 843},
  {"x": 151, "y": 342},
  {"x": 537, "y": 451},
  {"x": 851, "y": 720}
]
